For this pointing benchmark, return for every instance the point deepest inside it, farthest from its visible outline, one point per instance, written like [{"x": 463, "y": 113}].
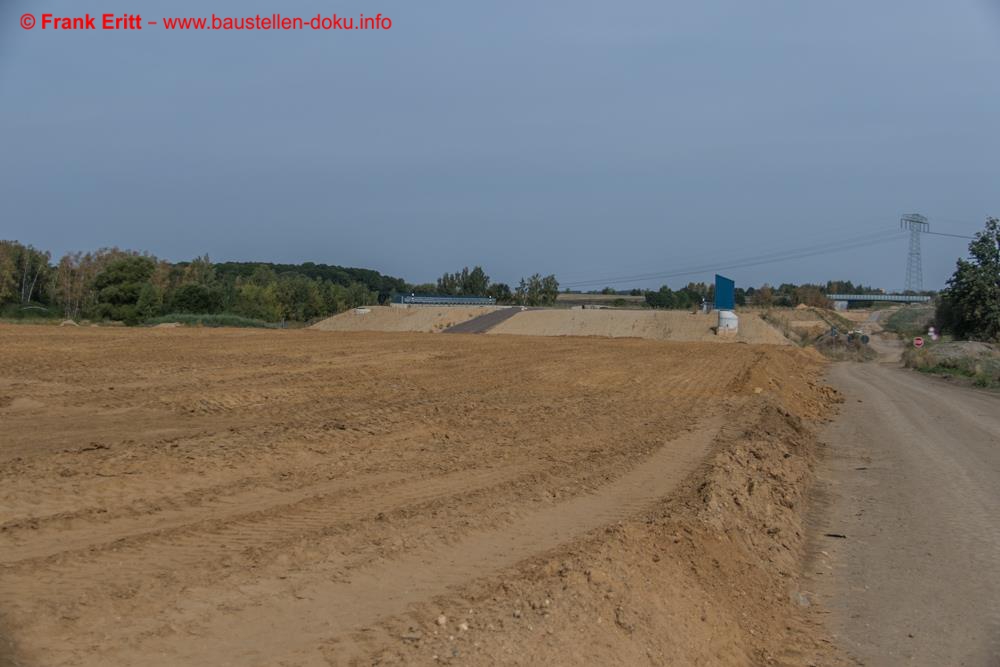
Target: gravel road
[{"x": 906, "y": 547}]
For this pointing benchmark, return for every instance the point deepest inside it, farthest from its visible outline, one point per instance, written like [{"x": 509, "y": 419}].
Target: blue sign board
[{"x": 725, "y": 293}]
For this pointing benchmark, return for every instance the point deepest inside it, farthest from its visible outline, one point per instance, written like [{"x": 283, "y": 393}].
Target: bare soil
[
  {"x": 249, "y": 497},
  {"x": 652, "y": 324},
  {"x": 428, "y": 319}
]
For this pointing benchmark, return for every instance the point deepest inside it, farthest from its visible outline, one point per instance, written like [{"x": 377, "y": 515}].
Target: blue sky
[{"x": 586, "y": 139}]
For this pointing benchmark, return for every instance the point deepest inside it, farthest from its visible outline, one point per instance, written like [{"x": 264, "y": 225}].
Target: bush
[
  {"x": 33, "y": 311},
  {"x": 195, "y": 298},
  {"x": 220, "y": 320},
  {"x": 976, "y": 361},
  {"x": 843, "y": 349}
]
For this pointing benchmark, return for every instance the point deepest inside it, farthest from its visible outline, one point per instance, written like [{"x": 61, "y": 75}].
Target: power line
[
  {"x": 675, "y": 255},
  {"x": 957, "y": 236},
  {"x": 776, "y": 255},
  {"x": 876, "y": 238}
]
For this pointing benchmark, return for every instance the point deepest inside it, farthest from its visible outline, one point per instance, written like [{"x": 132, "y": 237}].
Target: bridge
[
  {"x": 893, "y": 298},
  {"x": 439, "y": 300}
]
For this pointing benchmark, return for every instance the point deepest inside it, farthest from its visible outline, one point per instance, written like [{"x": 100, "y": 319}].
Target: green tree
[
  {"x": 259, "y": 302},
  {"x": 196, "y": 298},
  {"x": 550, "y": 289},
  {"x": 423, "y": 288},
  {"x": 150, "y": 302},
  {"x": 537, "y": 291},
  {"x": 119, "y": 286},
  {"x": 970, "y": 306},
  {"x": 200, "y": 271},
  {"x": 9, "y": 253},
  {"x": 25, "y": 274},
  {"x": 764, "y": 296},
  {"x": 334, "y": 297},
  {"x": 663, "y": 298},
  {"x": 358, "y": 295},
  {"x": 464, "y": 282},
  {"x": 300, "y": 297},
  {"x": 475, "y": 282},
  {"x": 501, "y": 292},
  {"x": 811, "y": 295}
]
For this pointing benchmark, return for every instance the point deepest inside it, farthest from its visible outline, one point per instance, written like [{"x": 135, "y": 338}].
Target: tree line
[
  {"x": 135, "y": 287},
  {"x": 786, "y": 295},
  {"x": 132, "y": 287},
  {"x": 535, "y": 290}
]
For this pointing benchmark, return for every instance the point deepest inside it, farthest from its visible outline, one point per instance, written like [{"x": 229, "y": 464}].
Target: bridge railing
[{"x": 895, "y": 298}]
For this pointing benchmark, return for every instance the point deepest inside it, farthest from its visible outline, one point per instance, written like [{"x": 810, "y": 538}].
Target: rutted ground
[{"x": 252, "y": 497}]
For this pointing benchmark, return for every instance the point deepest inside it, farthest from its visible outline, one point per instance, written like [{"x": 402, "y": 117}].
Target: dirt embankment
[
  {"x": 264, "y": 497},
  {"x": 651, "y": 324},
  {"x": 709, "y": 576},
  {"x": 804, "y": 324},
  {"x": 428, "y": 319}
]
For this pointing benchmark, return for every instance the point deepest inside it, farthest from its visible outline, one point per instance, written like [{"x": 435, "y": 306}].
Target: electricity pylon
[{"x": 917, "y": 224}]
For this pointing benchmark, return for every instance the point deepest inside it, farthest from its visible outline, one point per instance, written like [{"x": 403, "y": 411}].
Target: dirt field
[
  {"x": 427, "y": 319},
  {"x": 652, "y": 324},
  {"x": 250, "y": 497}
]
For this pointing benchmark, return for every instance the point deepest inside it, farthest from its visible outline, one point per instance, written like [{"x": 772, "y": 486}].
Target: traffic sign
[{"x": 918, "y": 342}]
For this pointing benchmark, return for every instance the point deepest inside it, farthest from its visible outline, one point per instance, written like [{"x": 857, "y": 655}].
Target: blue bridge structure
[
  {"x": 439, "y": 300},
  {"x": 892, "y": 298}
]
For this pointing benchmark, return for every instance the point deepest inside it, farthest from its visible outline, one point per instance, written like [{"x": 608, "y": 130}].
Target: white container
[{"x": 728, "y": 322}]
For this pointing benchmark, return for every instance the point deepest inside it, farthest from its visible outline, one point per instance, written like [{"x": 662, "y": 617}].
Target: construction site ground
[
  {"x": 300, "y": 497},
  {"x": 676, "y": 325}
]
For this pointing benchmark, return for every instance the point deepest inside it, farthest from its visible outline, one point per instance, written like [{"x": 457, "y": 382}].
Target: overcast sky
[{"x": 588, "y": 139}]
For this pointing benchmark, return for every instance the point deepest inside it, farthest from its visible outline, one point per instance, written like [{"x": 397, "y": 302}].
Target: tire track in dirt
[
  {"x": 143, "y": 440},
  {"x": 90, "y": 535},
  {"x": 292, "y": 629},
  {"x": 212, "y": 536}
]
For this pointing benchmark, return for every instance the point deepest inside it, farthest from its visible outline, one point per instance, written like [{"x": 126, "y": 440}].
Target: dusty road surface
[
  {"x": 912, "y": 480},
  {"x": 246, "y": 497}
]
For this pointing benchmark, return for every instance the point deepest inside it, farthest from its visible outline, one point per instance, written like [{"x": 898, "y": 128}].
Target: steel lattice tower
[{"x": 917, "y": 224}]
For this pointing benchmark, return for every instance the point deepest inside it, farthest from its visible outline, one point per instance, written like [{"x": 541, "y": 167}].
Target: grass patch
[
  {"x": 944, "y": 359},
  {"x": 835, "y": 319},
  {"x": 910, "y": 321},
  {"x": 48, "y": 321},
  {"x": 15, "y": 313},
  {"x": 981, "y": 380},
  {"x": 220, "y": 320}
]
